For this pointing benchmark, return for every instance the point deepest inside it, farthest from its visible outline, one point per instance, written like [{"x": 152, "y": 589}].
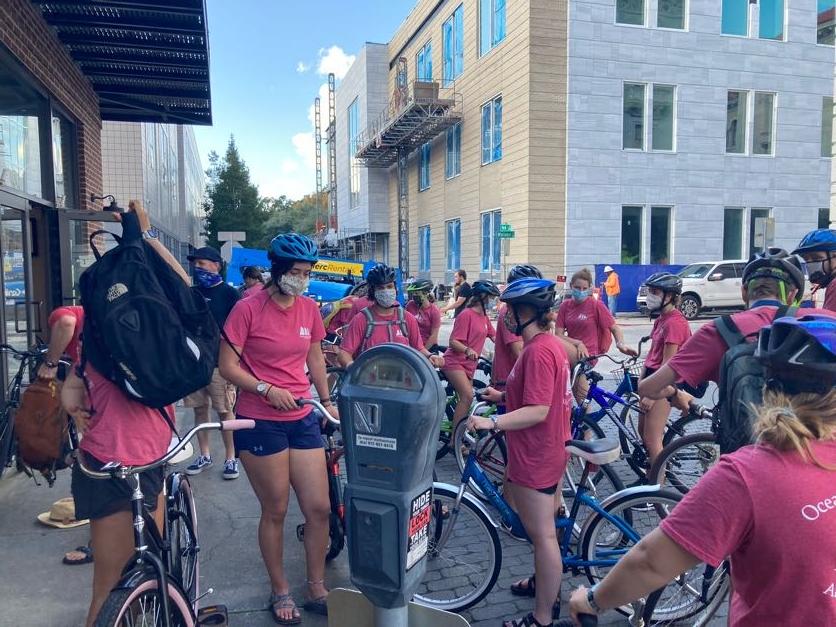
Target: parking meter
[{"x": 391, "y": 404}]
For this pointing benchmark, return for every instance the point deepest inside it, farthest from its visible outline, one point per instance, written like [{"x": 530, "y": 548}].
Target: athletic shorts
[
  {"x": 220, "y": 393},
  {"x": 98, "y": 498},
  {"x": 696, "y": 392},
  {"x": 274, "y": 436}
]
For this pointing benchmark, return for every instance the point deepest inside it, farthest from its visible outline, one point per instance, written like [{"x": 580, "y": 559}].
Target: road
[{"x": 37, "y": 590}]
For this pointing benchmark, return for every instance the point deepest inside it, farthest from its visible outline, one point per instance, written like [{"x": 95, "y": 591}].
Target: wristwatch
[
  {"x": 262, "y": 388},
  {"x": 590, "y": 598},
  {"x": 495, "y": 421},
  {"x": 152, "y": 233}
]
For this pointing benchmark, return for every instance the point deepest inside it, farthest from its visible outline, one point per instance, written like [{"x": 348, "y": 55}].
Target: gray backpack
[{"x": 371, "y": 323}]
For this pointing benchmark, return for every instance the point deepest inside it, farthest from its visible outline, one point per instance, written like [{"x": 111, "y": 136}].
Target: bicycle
[
  {"x": 446, "y": 432},
  {"x": 464, "y": 541},
  {"x": 159, "y": 584}
]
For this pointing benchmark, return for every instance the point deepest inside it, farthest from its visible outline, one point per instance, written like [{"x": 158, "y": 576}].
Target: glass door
[
  {"x": 18, "y": 310},
  {"x": 76, "y": 229}
]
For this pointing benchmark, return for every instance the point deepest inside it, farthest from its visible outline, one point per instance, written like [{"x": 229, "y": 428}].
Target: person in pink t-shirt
[
  {"x": 467, "y": 339},
  {"x": 272, "y": 337},
  {"x": 818, "y": 249},
  {"x": 422, "y": 305},
  {"x": 538, "y": 400},
  {"x": 770, "y": 506}
]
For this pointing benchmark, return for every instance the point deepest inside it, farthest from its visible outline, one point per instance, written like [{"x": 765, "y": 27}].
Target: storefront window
[
  {"x": 20, "y": 152},
  {"x": 63, "y": 137}
]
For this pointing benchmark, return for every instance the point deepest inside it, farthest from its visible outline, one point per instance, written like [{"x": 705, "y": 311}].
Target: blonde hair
[
  {"x": 790, "y": 423},
  {"x": 583, "y": 274}
]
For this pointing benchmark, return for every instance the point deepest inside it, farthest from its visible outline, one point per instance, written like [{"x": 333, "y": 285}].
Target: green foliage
[{"x": 293, "y": 215}]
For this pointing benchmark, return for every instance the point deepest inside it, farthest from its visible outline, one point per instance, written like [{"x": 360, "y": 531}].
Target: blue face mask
[
  {"x": 580, "y": 295},
  {"x": 204, "y": 278}
]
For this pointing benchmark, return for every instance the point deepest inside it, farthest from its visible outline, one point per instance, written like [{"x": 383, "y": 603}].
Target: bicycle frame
[{"x": 607, "y": 401}]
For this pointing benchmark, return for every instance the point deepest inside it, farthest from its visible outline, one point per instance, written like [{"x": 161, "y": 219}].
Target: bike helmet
[
  {"x": 800, "y": 353},
  {"x": 538, "y": 293},
  {"x": 778, "y": 264},
  {"x": 421, "y": 285},
  {"x": 665, "y": 281},
  {"x": 487, "y": 288},
  {"x": 293, "y": 247},
  {"x": 818, "y": 241},
  {"x": 524, "y": 271},
  {"x": 381, "y": 274}
]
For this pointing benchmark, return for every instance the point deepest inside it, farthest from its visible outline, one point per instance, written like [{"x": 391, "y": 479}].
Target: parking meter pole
[{"x": 391, "y": 617}]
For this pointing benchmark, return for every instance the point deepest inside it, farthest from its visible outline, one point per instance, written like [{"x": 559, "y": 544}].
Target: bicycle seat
[
  {"x": 594, "y": 377},
  {"x": 597, "y": 452}
]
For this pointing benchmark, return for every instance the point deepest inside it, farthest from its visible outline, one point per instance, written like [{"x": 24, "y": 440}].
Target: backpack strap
[
  {"x": 729, "y": 331},
  {"x": 402, "y": 323},
  {"x": 370, "y": 324}
]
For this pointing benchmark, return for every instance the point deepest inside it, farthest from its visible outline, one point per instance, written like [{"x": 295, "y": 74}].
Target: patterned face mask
[
  {"x": 386, "y": 298},
  {"x": 293, "y": 285}
]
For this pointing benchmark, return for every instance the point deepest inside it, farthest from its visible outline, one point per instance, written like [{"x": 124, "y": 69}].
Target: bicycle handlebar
[
  {"x": 317, "y": 405},
  {"x": 37, "y": 352},
  {"x": 701, "y": 410}
]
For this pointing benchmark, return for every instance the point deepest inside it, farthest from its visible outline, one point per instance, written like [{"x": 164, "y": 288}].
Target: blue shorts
[{"x": 273, "y": 436}]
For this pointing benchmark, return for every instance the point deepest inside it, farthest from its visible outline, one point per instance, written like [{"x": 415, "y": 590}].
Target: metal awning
[{"x": 148, "y": 60}]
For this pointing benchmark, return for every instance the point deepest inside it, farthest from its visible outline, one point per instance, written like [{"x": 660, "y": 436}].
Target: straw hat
[{"x": 62, "y": 515}]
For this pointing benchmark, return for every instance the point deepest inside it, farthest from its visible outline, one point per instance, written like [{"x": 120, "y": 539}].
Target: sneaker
[
  {"x": 231, "y": 469},
  {"x": 202, "y": 462}
]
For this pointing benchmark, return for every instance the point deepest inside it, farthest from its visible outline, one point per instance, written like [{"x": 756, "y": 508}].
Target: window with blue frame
[
  {"x": 424, "y": 168},
  {"x": 453, "y": 46},
  {"x": 454, "y": 232},
  {"x": 424, "y": 248},
  {"x": 453, "y": 165},
  {"x": 492, "y": 131},
  {"x": 491, "y": 24},
  {"x": 424, "y": 63},
  {"x": 735, "y": 17},
  {"x": 354, "y": 167},
  {"x": 491, "y": 221}
]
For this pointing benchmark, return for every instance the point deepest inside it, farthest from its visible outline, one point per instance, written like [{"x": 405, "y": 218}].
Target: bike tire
[
  {"x": 183, "y": 534},
  {"x": 684, "y": 461},
  {"x": 123, "y": 604},
  {"x": 334, "y": 375},
  {"x": 470, "y": 541},
  {"x": 715, "y": 591},
  {"x": 491, "y": 453},
  {"x": 446, "y": 437},
  {"x": 682, "y": 426},
  {"x": 336, "y": 537},
  {"x": 6, "y": 439}
]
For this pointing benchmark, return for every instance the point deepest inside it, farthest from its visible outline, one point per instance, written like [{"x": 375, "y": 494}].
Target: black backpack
[
  {"x": 742, "y": 379},
  {"x": 144, "y": 328},
  {"x": 371, "y": 323}
]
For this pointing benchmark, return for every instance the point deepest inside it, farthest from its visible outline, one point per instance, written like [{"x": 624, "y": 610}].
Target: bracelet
[
  {"x": 51, "y": 364},
  {"x": 590, "y": 598},
  {"x": 495, "y": 421}
]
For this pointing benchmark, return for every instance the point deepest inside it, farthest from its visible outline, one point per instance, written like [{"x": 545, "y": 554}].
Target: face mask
[
  {"x": 293, "y": 285},
  {"x": 204, "y": 278},
  {"x": 386, "y": 298},
  {"x": 419, "y": 299},
  {"x": 580, "y": 295},
  {"x": 654, "y": 302},
  {"x": 818, "y": 276}
]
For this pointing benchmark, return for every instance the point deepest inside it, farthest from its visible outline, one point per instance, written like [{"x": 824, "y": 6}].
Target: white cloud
[
  {"x": 305, "y": 146},
  {"x": 302, "y": 67},
  {"x": 334, "y": 59}
]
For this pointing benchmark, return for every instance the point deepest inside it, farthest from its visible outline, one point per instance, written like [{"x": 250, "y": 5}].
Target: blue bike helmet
[
  {"x": 538, "y": 293},
  {"x": 800, "y": 353},
  {"x": 293, "y": 247},
  {"x": 818, "y": 241}
]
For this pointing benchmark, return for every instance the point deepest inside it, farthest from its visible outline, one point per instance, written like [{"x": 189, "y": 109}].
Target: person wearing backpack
[
  {"x": 770, "y": 506},
  {"x": 116, "y": 427},
  {"x": 818, "y": 249},
  {"x": 383, "y": 322},
  {"x": 271, "y": 338}
]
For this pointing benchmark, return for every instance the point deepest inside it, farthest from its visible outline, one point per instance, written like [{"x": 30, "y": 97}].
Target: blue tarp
[{"x": 631, "y": 277}]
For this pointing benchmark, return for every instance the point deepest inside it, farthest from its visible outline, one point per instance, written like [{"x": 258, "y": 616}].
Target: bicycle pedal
[{"x": 215, "y": 615}]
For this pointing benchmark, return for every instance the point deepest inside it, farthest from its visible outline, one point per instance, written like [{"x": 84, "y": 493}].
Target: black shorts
[
  {"x": 696, "y": 392},
  {"x": 273, "y": 436},
  {"x": 98, "y": 498}
]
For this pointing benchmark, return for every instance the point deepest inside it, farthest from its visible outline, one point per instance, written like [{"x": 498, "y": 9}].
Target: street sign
[
  {"x": 505, "y": 227},
  {"x": 505, "y": 234}
]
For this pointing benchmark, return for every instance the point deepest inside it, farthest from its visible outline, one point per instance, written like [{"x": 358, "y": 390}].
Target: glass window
[
  {"x": 660, "y": 235},
  {"x": 663, "y": 117},
  {"x": 491, "y": 221},
  {"x": 735, "y": 18},
  {"x": 736, "y": 122},
  {"x": 759, "y": 236},
  {"x": 695, "y": 271},
  {"x": 21, "y": 109},
  {"x": 733, "y": 233},
  {"x": 763, "y": 117},
  {"x": 824, "y": 219},
  {"x": 424, "y": 248},
  {"x": 492, "y": 131},
  {"x": 424, "y": 63},
  {"x": 353, "y": 131},
  {"x": 424, "y": 168},
  {"x": 631, "y": 234},
  {"x": 63, "y": 151},
  {"x": 491, "y": 24},
  {"x": 827, "y": 113},
  {"x": 633, "y": 115},
  {"x": 454, "y": 230},
  {"x": 726, "y": 270},
  {"x": 453, "y": 46},
  {"x": 826, "y": 19},
  {"x": 629, "y": 12},
  {"x": 453, "y": 166},
  {"x": 671, "y": 14},
  {"x": 771, "y": 21}
]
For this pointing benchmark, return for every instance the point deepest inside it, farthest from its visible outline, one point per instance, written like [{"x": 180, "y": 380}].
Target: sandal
[
  {"x": 84, "y": 550},
  {"x": 317, "y": 606},
  {"x": 526, "y": 621},
  {"x": 284, "y": 602},
  {"x": 524, "y": 587}
]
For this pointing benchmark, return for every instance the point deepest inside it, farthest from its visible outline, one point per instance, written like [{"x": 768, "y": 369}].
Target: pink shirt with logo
[
  {"x": 775, "y": 515},
  {"x": 121, "y": 429},
  {"x": 274, "y": 342},
  {"x": 503, "y": 358},
  {"x": 357, "y": 306},
  {"x": 699, "y": 360},
  {"x": 537, "y": 455},
  {"x": 669, "y": 328},
  {"x": 381, "y": 334},
  {"x": 830, "y": 297},
  {"x": 585, "y": 321},
  {"x": 429, "y": 318},
  {"x": 471, "y": 328}
]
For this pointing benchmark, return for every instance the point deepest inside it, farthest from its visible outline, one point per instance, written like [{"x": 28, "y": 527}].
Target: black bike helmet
[
  {"x": 421, "y": 285},
  {"x": 523, "y": 271},
  {"x": 665, "y": 281},
  {"x": 800, "y": 353},
  {"x": 293, "y": 247},
  {"x": 538, "y": 293},
  {"x": 487, "y": 288},
  {"x": 381, "y": 274},
  {"x": 778, "y": 264}
]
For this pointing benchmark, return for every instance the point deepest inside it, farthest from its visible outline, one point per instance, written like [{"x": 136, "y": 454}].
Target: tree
[{"x": 299, "y": 216}]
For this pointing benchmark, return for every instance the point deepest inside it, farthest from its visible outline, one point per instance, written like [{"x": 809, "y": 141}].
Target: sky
[{"x": 268, "y": 61}]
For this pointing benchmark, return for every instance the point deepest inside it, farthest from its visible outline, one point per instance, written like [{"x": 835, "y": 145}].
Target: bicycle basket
[{"x": 634, "y": 371}]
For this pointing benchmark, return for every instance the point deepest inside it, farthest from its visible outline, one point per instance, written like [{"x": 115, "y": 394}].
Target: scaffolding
[
  {"x": 332, "y": 153},
  {"x": 318, "y": 149}
]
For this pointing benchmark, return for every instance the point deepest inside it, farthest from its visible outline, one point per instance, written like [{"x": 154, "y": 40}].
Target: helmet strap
[{"x": 520, "y": 326}]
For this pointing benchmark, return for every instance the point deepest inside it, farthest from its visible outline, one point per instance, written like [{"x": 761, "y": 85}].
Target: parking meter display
[
  {"x": 389, "y": 373},
  {"x": 419, "y": 523}
]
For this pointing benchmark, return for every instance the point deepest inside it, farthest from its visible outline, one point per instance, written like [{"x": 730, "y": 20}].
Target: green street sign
[
  {"x": 505, "y": 234},
  {"x": 504, "y": 228}
]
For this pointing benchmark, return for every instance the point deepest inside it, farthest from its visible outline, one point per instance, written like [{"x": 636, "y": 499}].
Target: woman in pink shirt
[
  {"x": 536, "y": 426},
  {"x": 272, "y": 336},
  {"x": 471, "y": 329},
  {"x": 770, "y": 506},
  {"x": 508, "y": 345},
  {"x": 422, "y": 305}
]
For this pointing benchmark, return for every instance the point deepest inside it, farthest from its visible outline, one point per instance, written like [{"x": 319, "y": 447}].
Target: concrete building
[{"x": 611, "y": 131}]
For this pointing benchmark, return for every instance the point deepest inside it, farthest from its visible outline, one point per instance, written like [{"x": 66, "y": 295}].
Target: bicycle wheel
[
  {"x": 684, "y": 425},
  {"x": 491, "y": 453},
  {"x": 684, "y": 461},
  {"x": 334, "y": 376},
  {"x": 709, "y": 596},
  {"x": 464, "y": 555},
  {"x": 141, "y": 606},
  {"x": 182, "y": 533},
  {"x": 6, "y": 439}
]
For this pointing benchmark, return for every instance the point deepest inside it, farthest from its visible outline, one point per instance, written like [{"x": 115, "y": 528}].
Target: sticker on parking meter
[
  {"x": 376, "y": 441},
  {"x": 419, "y": 523}
]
